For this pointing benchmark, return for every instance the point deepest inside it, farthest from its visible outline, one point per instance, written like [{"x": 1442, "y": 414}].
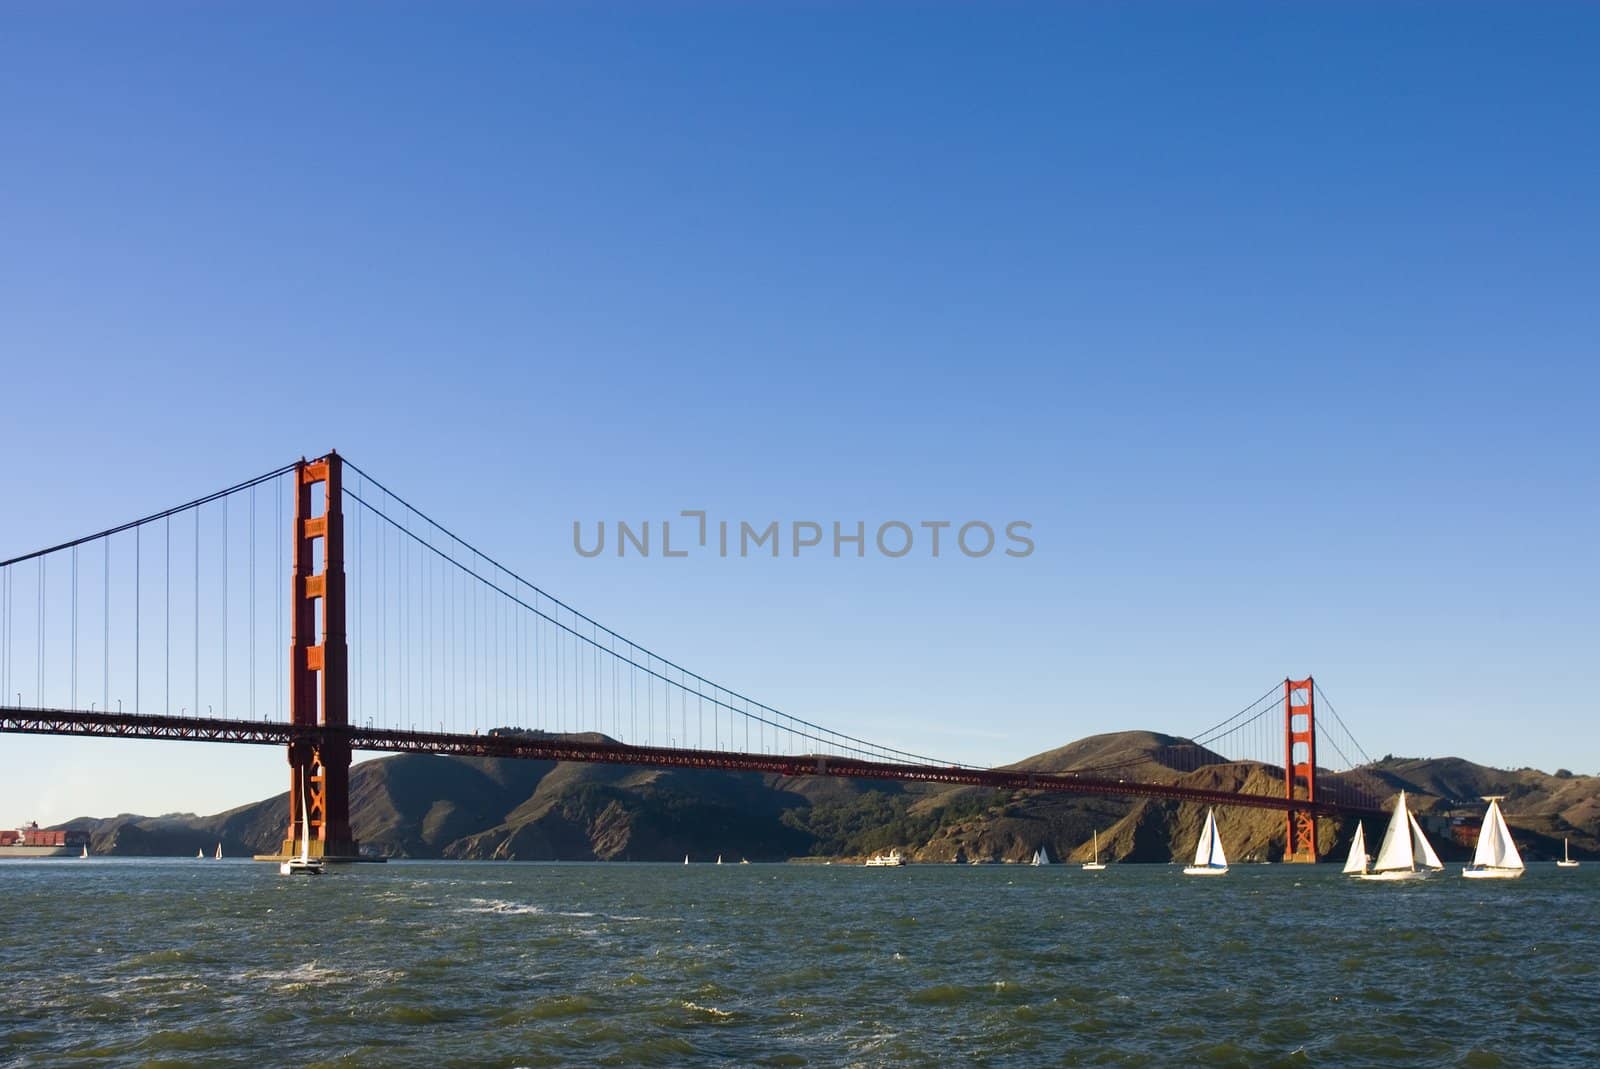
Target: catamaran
[
  {"x": 1096, "y": 865},
  {"x": 1406, "y": 853},
  {"x": 1041, "y": 856},
  {"x": 1566, "y": 861},
  {"x": 1209, "y": 860},
  {"x": 1496, "y": 857},
  {"x": 305, "y": 864},
  {"x": 1356, "y": 864}
]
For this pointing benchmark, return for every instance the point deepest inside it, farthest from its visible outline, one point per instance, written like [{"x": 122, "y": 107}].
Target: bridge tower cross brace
[
  {"x": 319, "y": 666},
  {"x": 1300, "y": 767}
]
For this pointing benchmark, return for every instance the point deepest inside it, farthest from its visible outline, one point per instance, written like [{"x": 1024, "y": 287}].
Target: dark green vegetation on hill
[{"x": 421, "y": 806}]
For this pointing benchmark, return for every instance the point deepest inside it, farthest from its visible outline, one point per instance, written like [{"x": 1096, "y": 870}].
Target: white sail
[
  {"x": 305, "y": 823},
  {"x": 1357, "y": 861},
  {"x": 1218, "y": 859},
  {"x": 1202, "y": 849},
  {"x": 1041, "y": 856},
  {"x": 1396, "y": 854},
  {"x": 1208, "y": 852},
  {"x": 1489, "y": 853},
  {"x": 1508, "y": 845},
  {"x": 1421, "y": 846},
  {"x": 1496, "y": 848}
]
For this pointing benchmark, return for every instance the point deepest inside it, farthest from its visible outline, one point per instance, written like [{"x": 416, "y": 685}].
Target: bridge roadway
[{"x": 535, "y": 746}]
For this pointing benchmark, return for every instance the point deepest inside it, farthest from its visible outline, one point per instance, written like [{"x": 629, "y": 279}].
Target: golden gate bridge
[{"x": 402, "y": 637}]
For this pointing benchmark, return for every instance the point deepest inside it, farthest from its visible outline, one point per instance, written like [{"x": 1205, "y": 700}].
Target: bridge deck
[{"x": 537, "y": 747}]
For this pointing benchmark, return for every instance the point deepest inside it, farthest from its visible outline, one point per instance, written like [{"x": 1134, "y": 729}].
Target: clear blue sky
[{"x": 1277, "y": 322}]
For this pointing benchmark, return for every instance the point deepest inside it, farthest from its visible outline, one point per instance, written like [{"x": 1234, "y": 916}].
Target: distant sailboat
[
  {"x": 219, "y": 851},
  {"x": 719, "y": 859},
  {"x": 1356, "y": 864},
  {"x": 199, "y": 855},
  {"x": 1209, "y": 860},
  {"x": 685, "y": 859},
  {"x": 1095, "y": 865},
  {"x": 1566, "y": 861},
  {"x": 1041, "y": 856},
  {"x": 1406, "y": 853},
  {"x": 86, "y": 852},
  {"x": 1496, "y": 857}
]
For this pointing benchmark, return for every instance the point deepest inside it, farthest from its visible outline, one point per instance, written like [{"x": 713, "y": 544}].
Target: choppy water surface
[{"x": 228, "y": 963}]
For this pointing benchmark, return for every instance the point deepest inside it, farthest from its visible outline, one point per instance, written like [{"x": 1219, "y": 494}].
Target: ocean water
[{"x": 150, "y": 962}]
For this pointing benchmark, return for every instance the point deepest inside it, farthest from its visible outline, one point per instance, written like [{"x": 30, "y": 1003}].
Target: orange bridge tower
[
  {"x": 319, "y": 668},
  {"x": 1300, "y": 767}
]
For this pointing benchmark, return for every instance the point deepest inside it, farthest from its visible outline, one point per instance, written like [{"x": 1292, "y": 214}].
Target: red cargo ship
[{"x": 30, "y": 840}]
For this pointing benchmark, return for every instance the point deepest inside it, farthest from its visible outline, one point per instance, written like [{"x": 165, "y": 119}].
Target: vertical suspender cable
[
  {"x": 277, "y": 599},
  {"x": 39, "y": 694},
  {"x": 252, "y": 574},
  {"x": 138, "y": 595},
  {"x": 73, "y": 656},
  {"x": 403, "y": 627},
  {"x": 383, "y": 620},
  {"x": 166, "y": 618},
  {"x": 105, "y": 619},
  {"x": 225, "y": 703},
  {"x": 197, "y": 612},
  {"x": 354, "y": 564}
]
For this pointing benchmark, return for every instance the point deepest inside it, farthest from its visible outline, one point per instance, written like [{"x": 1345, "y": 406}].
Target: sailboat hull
[
  {"x": 1395, "y": 876},
  {"x": 1093, "y": 866},
  {"x": 1491, "y": 874},
  {"x": 1204, "y": 870},
  {"x": 300, "y": 868},
  {"x": 1566, "y": 864}
]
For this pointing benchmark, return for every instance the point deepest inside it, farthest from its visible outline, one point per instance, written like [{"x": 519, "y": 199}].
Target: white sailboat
[
  {"x": 1496, "y": 857},
  {"x": 685, "y": 859},
  {"x": 1041, "y": 856},
  {"x": 1566, "y": 861},
  {"x": 1096, "y": 865},
  {"x": 305, "y": 864},
  {"x": 199, "y": 855},
  {"x": 1209, "y": 859},
  {"x": 1356, "y": 864},
  {"x": 86, "y": 852},
  {"x": 219, "y": 852},
  {"x": 1406, "y": 853}
]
